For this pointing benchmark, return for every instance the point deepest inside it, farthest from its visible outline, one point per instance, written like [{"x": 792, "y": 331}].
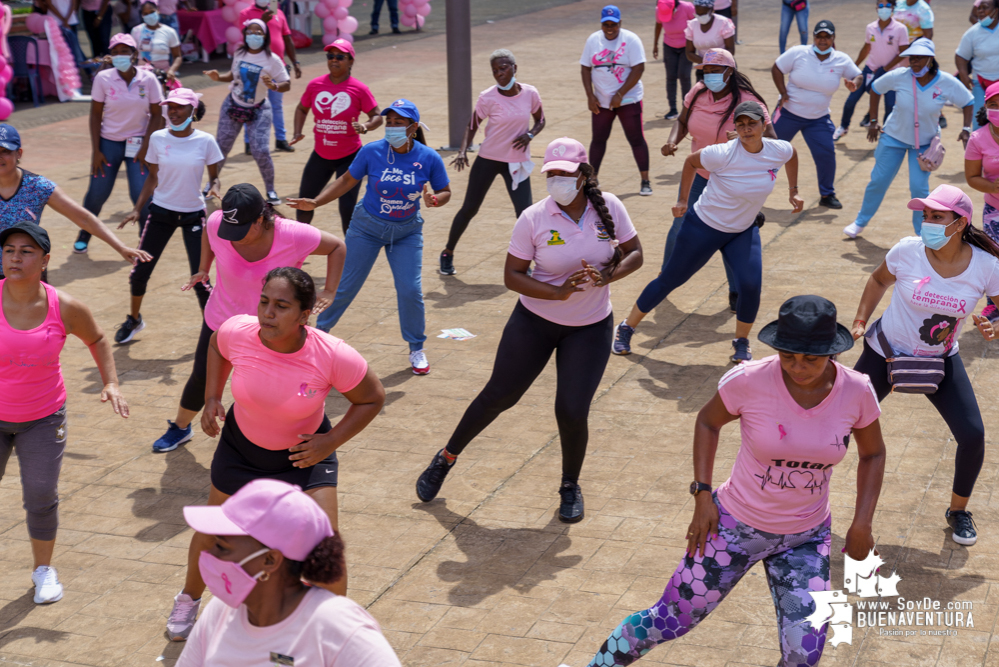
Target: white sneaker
[
  {"x": 840, "y": 133},
  {"x": 47, "y": 586},
  {"x": 182, "y": 618},
  {"x": 418, "y": 360},
  {"x": 853, "y": 230}
]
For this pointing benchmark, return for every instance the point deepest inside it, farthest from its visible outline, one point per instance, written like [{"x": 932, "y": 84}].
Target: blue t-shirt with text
[{"x": 395, "y": 181}]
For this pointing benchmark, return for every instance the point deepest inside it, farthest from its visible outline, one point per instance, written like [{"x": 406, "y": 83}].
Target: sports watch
[{"x": 696, "y": 487}]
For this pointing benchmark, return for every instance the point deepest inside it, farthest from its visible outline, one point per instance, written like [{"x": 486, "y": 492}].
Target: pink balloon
[
  {"x": 229, "y": 14},
  {"x": 407, "y": 20},
  {"x": 341, "y": 13},
  {"x": 420, "y": 20},
  {"x": 241, "y": 7},
  {"x": 420, "y": 3},
  {"x": 348, "y": 25},
  {"x": 423, "y": 10},
  {"x": 347, "y": 36},
  {"x": 346, "y": 3},
  {"x": 35, "y": 23},
  {"x": 231, "y": 48},
  {"x": 322, "y": 11},
  {"x": 409, "y": 10},
  {"x": 329, "y": 24},
  {"x": 6, "y": 108},
  {"x": 331, "y": 4},
  {"x": 329, "y": 38},
  {"x": 233, "y": 34}
]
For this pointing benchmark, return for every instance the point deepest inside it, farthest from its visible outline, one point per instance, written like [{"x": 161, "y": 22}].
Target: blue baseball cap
[
  {"x": 610, "y": 13},
  {"x": 9, "y": 138},
  {"x": 404, "y": 108}
]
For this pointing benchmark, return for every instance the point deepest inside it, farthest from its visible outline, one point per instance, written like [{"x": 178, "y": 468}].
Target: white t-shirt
[
  {"x": 932, "y": 98},
  {"x": 326, "y": 630},
  {"x": 611, "y": 63},
  {"x": 811, "y": 82},
  {"x": 926, "y": 312},
  {"x": 65, "y": 8},
  {"x": 981, "y": 45},
  {"x": 155, "y": 45},
  {"x": 181, "y": 163},
  {"x": 740, "y": 182},
  {"x": 246, "y": 88}
]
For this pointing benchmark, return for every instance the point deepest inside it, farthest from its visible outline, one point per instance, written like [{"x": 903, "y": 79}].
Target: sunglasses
[
  {"x": 336, "y": 56},
  {"x": 885, "y": 6}
]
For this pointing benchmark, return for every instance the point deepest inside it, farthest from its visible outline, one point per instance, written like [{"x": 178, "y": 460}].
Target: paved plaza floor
[{"x": 486, "y": 575}]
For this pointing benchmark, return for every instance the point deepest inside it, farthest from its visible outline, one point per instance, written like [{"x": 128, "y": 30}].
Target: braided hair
[{"x": 592, "y": 191}]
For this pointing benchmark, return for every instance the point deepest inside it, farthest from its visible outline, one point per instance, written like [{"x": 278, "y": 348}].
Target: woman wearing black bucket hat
[{"x": 797, "y": 411}]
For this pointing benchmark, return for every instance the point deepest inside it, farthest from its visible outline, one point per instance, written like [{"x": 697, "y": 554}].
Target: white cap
[{"x": 920, "y": 47}]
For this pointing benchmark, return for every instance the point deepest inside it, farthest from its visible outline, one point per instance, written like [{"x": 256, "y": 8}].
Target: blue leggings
[{"x": 695, "y": 245}]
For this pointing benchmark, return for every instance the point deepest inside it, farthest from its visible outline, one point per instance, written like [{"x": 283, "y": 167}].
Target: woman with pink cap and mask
[
  {"x": 938, "y": 276},
  {"x": 268, "y": 539}
]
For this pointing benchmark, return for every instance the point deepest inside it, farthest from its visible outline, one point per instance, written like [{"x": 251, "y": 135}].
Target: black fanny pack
[
  {"x": 241, "y": 114},
  {"x": 910, "y": 375}
]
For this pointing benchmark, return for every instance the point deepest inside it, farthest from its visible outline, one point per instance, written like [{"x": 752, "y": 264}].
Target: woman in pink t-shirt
[
  {"x": 981, "y": 170},
  {"x": 245, "y": 240},
  {"x": 282, "y": 372},
  {"x": 708, "y": 30},
  {"x": 337, "y": 100},
  {"x": 797, "y": 411},
  {"x": 580, "y": 240},
  {"x": 35, "y": 319},
  {"x": 671, "y": 20},
  {"x": 505, "y": 152}
]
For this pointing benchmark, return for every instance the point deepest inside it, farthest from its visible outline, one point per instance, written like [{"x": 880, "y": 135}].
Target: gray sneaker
[{"x": 182, "y": 618}]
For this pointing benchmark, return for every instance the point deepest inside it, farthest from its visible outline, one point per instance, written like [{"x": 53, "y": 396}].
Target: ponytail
[
  {"x": 979, "y": 239},
  {"x": 592, "y": 192},
  {"x": 324, "y": 565},
  {"x": 982, "y": 117}
]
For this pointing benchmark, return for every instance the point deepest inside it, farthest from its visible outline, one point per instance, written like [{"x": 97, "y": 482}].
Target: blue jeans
[
  {"x": 979, "y": 102},
  {"x": 171, "y": 20},
  {"x": 277, "y": 111},
  {"x": 393, "y": 7},
  {"x": 888, "y": 157},
  {"x": 818, "y": 134},
  {"x": 101, "y": 186},
  {"x": 403, "y": 243},
  {"x": 786, "y": 16},
  {"x": 696, "y": 190},
  {"x": 854, "y": 97},
  {"x": 73, "y": 41}
]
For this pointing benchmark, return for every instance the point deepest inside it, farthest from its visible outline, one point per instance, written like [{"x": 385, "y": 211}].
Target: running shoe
[
  {"x": 47, "y": 586},
  {"x": 173, "y": 438},
  {"x": 830, "y": 201},
  {"x": 127, "y": 329},
  {"x": 447, "y": 263},
  {"x": 673, "y": 114},
  {"x": 181, "y": 621},
  {"x": 272, "y": 198},
  {"x": 943, "y": 122},
  {"x": 283, "y": 146},
  {"x": 418, "y": 360},
  {"x": 570, "y": 510},
  {"x": 840, "y": 133},
  {"x": 866, "y": 122},
  {"x": 742, "y": 352},
  {"x": 991, "y": 313},
  {"x": 853, "y": 230},
  {"x": 646, "y": 189},
  {"x": 963, "y": 526},
  {"x": 733, "y": 300},
  {"x": 431, "y": 479},
  {"x": 80, "y": 247},
  {"x": 622, "y": 339}
]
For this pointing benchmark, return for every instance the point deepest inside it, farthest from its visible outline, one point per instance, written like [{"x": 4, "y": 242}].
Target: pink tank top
[{"x": 29, "y": 365}]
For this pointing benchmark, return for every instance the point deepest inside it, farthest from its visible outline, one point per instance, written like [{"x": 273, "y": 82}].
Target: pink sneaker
[{"x": 991, "y": 313}]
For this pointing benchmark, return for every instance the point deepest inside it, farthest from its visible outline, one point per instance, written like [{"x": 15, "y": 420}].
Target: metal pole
[{"x": 459, "y": 70}]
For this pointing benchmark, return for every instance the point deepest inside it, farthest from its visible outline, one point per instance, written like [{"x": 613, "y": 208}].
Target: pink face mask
[
  {"x": 228, "y": 581},
  {"x": 993, "y": 115}
]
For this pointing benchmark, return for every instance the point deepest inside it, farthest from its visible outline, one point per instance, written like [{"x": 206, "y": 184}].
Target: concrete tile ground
[{"x": 486, "y": 575}]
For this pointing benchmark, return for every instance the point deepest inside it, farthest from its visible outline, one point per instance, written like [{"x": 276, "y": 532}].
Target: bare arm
[
  {"x": 655, "y": 41},
  {"x": 692, "y": 53},
  {"x": 147, "y": 191},
  {"x": 963, "y": 72},
  {"x": 97, "y": 157},
  {"x": 460, "y": 160},
  {"x": 676, "y": 133},
  {"x": 865, "y": 51},
  {"x": 336, "y": 253},
  {"x": 730, "y": 44},
  {"x": 84, "y": 219},
  {"x": 690, "y": 167},
  {"x": 877, "y": 285},
  {"x": 155, "y": 123},
  {"x": 333, "y": 191},
  {"x": 515, "y": 278},
  {"x": 778, "y": 76},
  {"x": 710, "y": 420},
  {"x": 301, "y": 113},
  {"x": 591, "y": 100},
  {"x": 870, "y": 475},
  {"x": 792, "y": 182},
  {"x": 928, "y": 33},
  {"x": 974, "y": 178},
  {"x": 218, "y": 372},
  {"x": 80, "y": 322},
  {"x": 178, "y": 60}
]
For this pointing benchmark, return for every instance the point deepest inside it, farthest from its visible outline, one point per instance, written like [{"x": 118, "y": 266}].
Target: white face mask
[
  {"x": 705, "y": 18},
  {"x": 563, "y": 189}
]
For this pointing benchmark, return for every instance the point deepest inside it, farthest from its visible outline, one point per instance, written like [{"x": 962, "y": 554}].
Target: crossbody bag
[{"x": 910, "y": 375}]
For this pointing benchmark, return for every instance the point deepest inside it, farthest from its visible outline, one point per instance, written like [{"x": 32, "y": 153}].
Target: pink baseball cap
[
  {"x": 946, "y": 198},
  {"x": 123, "y": 38},
  {"x": 718, "y": 57},
  {"x": 341, "y": 45},
  {"x": 564, "y": 154},
  {"x": 992, "y": 90},
  {"x": 182, "y": 96},
  {"x": 277, "y": 514}
]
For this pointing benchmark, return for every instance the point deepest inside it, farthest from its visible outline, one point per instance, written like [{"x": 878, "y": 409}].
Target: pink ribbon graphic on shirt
[
  {"x": 782, "y": 431},
  {"x": 228, "y": 584},
  {"x": 962, "y": 305},
  {"x": 303, "y": 390},
  {"x": 33, "y": 216},
  {"x": 920, "y": 284}
]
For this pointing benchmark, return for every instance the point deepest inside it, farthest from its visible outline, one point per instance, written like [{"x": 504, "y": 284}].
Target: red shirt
[
  {"x": 336, "y": 106},
  {"x": 277, "y": 26}
]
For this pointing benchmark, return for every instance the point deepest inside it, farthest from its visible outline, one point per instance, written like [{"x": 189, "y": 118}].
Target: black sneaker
[
  {"x": 373, "y": 31},
  {"x": 867, "y": 120},
  {"x": 646, "y": 189},
  {"x": 571, "y": 508},
  {"x": 672, "y": 114},
  {"x": 396, "y": 31},
  {"x": 431, "y": 479},
  {"x": 283, "y": 146},
  {"x": 447, "y": 263},
  {"x": 963, "y": 526},
  {"x": 742, "y": 352},
  {"x": 127, "y": 329},
  {"x": 943, "y": 125},
  {"x": 733, "y": 299},
  {"x": 830, "y": 201}
]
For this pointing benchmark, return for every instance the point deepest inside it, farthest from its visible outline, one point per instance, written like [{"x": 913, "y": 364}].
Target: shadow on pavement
[
  {"x": 187, "y": 480},
  {"x": 15, "y": 611},
  {"x": 457, "y": 293}
]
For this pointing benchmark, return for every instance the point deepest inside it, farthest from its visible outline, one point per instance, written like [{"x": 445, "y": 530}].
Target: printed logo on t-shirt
[
  {"x": 556, "y": 238},
  {"x": 393, "y": 200},
  {"x": 939, "y": 330},
  {"x": 278, "y": 660},
  {"x": 608, "y": 59},
  {"x": 305, "y": 392},
  {"x": 327, "y": 107},
  {"x": 249, "y": 76},
  {"x": 811, "y": 476},
  {"x": 773, "y": 173},
  {"x": 602, "y": 234}
]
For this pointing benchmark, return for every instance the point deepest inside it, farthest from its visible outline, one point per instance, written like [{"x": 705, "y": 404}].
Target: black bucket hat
[{"x": 807, "y": 325}]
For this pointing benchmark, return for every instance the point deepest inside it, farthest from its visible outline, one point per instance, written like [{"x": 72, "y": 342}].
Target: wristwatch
[
  {"x": 966, "y": 129},
  {"x": 530, "y": 136},
  {"x": 696, "y": 487}
]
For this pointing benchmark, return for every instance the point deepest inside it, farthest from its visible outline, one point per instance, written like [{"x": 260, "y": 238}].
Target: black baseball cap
[
  {"x": 749, "y": 108},
  {"x": 241, "y": 207},
  {"x": 825, "y": 26},
  {"x": 32, "y": 229}
]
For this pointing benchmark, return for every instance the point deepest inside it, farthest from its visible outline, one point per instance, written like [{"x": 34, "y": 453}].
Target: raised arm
[
  {"x": 333, "y": 191},
  {"x": 84, "y": 219}
]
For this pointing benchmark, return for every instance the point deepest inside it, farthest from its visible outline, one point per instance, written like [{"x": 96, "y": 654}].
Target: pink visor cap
[
  {"x": 718, "y": 57},
  {"x": 277, "y": 514},
  {"x": 341, "y": 45},
  {"x": 182, "y": 96},
  {"x": 564, "y": 154},
  {"x": 992, "y": 90},
  {"x": 946, "y": 198},
  {"x": 123, "y": 38}
]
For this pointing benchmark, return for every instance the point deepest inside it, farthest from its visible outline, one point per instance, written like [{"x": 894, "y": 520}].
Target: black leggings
[
  {"x": 630, "y": 116},
  {"x": 678, "y": 68},
  {"x": 480, "y": 179},
  {"x": 160, "y": 226},
  {"x": 581, "y": 354},
  {"x": 193, "y": 398},
  {"x": 956, "y": 403},
  {"x": 317, "y": 173}
]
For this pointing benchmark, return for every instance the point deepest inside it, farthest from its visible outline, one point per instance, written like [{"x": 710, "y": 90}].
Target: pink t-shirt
[
  {"x": 326, "y": 630},
  {"x": 981, "y": 146},
  {"x": 509, "y": 117},
  {"x": 705, "y": 116},
  {"x": 336, "y": 106},
  {"x": 278, "y": 396},
  {"x": 277, "y": 27},
  {"x": 237, "y": 281},
  {"x": 721, "y": 28},
  {"x": 548, "y": 237},
  {"x": 780, "y": 478},
  {"x": 167, "y": 7},
  {"x": 675, "y": 28},
  {"x": 126, "y": 106},
  {"x": 885, "y": 44},
  {"x": 30, "y": 373}
]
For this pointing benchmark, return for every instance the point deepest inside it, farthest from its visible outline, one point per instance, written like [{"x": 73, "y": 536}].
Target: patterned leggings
[
  {"x": 795, "y": 564},
  {"x": 258, "y": 134}
]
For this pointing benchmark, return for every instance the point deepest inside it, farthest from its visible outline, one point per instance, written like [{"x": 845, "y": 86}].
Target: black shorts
[{"x": 238, "y": 461}]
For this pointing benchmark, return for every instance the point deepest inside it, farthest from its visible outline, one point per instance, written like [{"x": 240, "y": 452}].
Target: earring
[{"x": 265, "y": 576}]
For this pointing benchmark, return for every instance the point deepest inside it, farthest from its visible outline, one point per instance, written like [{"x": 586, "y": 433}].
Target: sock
[{"x": 449, "y": 457}]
